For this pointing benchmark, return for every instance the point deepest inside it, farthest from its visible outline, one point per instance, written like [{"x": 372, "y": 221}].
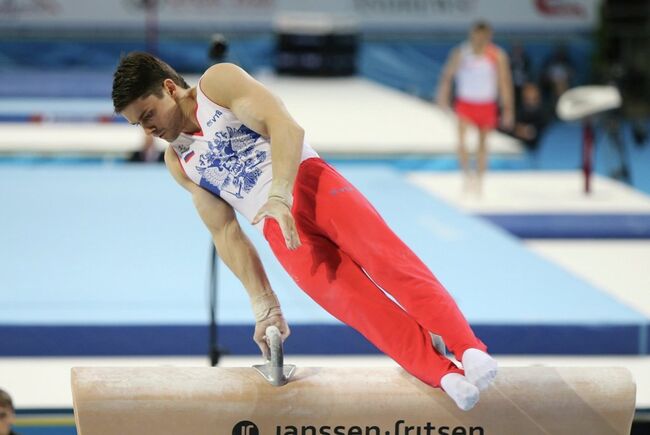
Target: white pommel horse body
[
  {"x": 336, "y": 401},
  {"x": 345, "y": 401}
]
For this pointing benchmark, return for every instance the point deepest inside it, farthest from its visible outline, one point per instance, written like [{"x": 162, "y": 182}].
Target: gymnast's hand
[
  {"x": 275, "y": 318},
  {"x": 508, "y": 119},
  {"x": 279, "y": 208},
  {"x": 443, "y": 103}
]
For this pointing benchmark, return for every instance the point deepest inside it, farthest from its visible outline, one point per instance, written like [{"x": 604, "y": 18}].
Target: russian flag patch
[{"x": 187, "y": 157}]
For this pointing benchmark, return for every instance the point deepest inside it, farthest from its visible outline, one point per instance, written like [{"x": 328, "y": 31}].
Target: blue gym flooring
[{"x": 113, "y": 260}]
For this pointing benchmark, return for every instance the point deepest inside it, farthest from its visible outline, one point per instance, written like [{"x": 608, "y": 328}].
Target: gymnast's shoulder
[{"x": 224, "y": 82}]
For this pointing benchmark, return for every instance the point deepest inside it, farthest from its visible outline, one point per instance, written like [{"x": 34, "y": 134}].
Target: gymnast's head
[
  {"x": 480, "y": 35},
  {"x": 7, "y": 413},
  {"x": 147, "y": 92}
]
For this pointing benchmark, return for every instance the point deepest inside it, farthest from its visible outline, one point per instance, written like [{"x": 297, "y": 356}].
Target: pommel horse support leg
[{"x": 336, "y": 401}]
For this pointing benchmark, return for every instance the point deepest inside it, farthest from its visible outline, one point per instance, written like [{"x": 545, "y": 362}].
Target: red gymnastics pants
[
  {"x": 483, "y": 115},
  {"x": 342, "y": 237}
]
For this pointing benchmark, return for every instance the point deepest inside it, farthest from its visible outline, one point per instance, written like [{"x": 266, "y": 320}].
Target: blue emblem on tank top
[{"x": 231, "y": 163}]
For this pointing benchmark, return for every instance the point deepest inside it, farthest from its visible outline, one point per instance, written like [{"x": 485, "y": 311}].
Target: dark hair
[
  {"x": 5, "y": 400},
  {"x": 140, "y": 75},
  {"x": 481, "y": 26}
]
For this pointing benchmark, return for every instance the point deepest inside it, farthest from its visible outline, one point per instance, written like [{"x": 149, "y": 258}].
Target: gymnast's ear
[{"x": 170, "y": 86}]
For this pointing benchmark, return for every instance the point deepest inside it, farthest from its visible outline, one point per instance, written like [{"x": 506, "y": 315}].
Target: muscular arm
[
  {"x": 444, "y": 86},
  {"x": 233, "y": 246},
  {"x": 256, "y": 107}
]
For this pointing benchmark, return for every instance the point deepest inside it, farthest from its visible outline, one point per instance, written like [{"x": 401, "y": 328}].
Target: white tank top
[
  {"x": 227, "y": 158},
  {"x": 476, "y": 78}
]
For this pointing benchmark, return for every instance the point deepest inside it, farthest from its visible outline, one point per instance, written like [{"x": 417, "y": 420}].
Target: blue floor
[
  {"x": 113, "y": 260},
  {"x": 47, "y": 430},
  {"x": 562, "y": 225}
]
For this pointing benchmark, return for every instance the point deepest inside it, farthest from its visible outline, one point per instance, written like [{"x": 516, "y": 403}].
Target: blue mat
[
  {"x": 574, "y": 226},
  {"x": 112, "y": 260}
]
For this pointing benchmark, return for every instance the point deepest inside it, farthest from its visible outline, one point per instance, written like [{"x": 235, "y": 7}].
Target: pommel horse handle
[{"x": 274, "y": 370}]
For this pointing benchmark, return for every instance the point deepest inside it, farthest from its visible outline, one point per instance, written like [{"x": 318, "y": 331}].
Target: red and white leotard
[
  {"x": 477, "y": 86},
  {"x": 227, "y": 158},
  {"x": 476, "y": 78}
]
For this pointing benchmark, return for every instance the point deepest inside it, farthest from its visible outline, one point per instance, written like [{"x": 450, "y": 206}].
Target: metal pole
[
  {"x": 587, "y": 152},
  {"x": 213, "y": 284}
]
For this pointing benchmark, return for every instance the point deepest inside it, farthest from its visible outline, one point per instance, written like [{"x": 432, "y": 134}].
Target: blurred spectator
[
  {"x": 218, "y": 48},
  {"x": 629, "y": 78},
  {"x": 148, "y": 154},
  {"x": 521, "y": 70},
  {"x": 7, "y": 414},
  {"x": 530, "y": 119},
  {"x": 557, "y": 76}
]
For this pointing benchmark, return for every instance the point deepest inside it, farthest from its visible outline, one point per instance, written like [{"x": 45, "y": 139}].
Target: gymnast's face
[
  {"x": 480, "y": 38},
  {"x": 160, "y": 116},
  {"x": 7, "y": 417}
]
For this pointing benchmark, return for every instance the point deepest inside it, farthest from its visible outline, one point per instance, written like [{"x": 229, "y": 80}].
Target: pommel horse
[
  {"x": 584, "y": 103},
  {"x": 345, "y": 401}
]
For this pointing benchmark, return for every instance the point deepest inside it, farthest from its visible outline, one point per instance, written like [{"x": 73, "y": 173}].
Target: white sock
[
  {"x": 457, "y": 387},
  {"x": 480, "y": 368}
]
